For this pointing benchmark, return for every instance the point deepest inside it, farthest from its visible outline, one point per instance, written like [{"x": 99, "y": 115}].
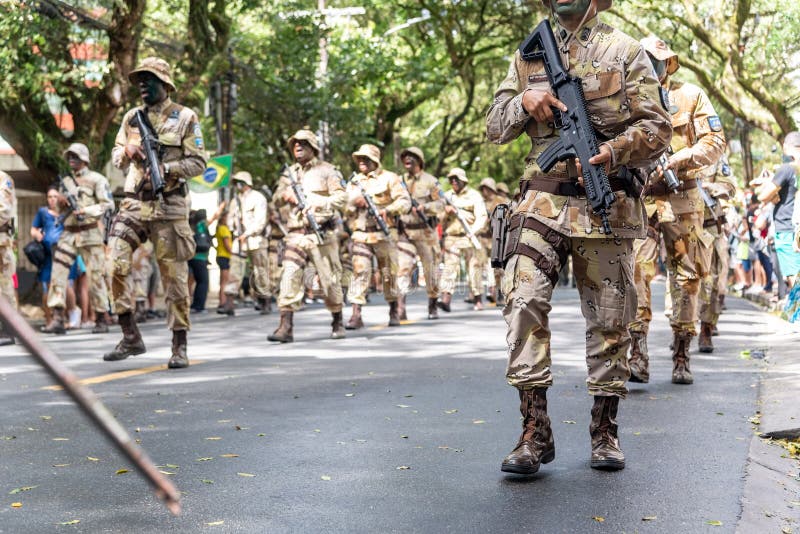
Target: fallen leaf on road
[
  {"x": 325, "y": 477},
  {"x": 349, "y": 394},
  {"x": 60, "y": 439},
  {"x": 478, "y": 422},
  {"x": 229, "y": 455},
  {"x": 245, "y": 474},
  {"x": 408, "y": 396},
  {"x": 714, "y": 523},
  {"x": 60, "y": 465},
  {"x": 224, "y": 420},
  {"x": 165, "y": 472},
  {"x": 205, "y": 459},
  {"x": 213, "y": 438},
  {"x": 720, "y": 413},
  {"x": 756, "y": 420},
  {"x": 121, "y": 471},
  {"x": 16, "y": 505},
  {"x": 237, "y": 427},
  {"x": 360, "y": 441},
  {"x": 160, "y": 411},
  {"x": 8, "y": 438},
  {"x": 206, "y": 481},
  {"x": 20, "y": 490},
  {"x": 215, "y": 523},
  {"x": 73, "y": 522},
  {"x": 404, "y": 437},
  {"x": 92, "y": 459},
  {"x": 403, "y": 406},
  {"x": 317, "y": 430},
  {"x": 637, "y": 433},
  {"x": 786, "y": 530},
  {"x": 261, "y": 435},
  {"x": 450, "y": 411},
  {"x": 570, "y": 422},
  {"x": 173, "y": 466},
  {"x": 599, "y": 519},
  {"x": 45, "y": 417},
  {"x": 403, "y": 468},
  {"x": 649, "y": 518}
]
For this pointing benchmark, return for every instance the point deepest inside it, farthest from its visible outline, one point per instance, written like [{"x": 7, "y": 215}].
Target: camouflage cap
[
  {"x": 80, "y": 150},
  {"x": 489, "y": 183},
  {"x": 459, "y": 173},
  {"x": 371, "y": 152},
  {"x": 243, "y": 176},
  {"x": 304, "y": 135},
  {"x": 503, "y": 188},
  {"x": 416, "y": 152},
  {"x": 155, "y": 66},
  {"x": 659, "y": 50}
]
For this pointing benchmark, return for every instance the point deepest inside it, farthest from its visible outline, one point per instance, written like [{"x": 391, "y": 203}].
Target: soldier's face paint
[
  {"x": 75, "y": 163},
  {"x": 366, "y": 166},
  {"x": 411, "y": 164},
  {"x": 456, "y": 184},
  {"x": 659, "y": 65},
  {"x": 152, "y": 90},
  {"x": 302, "y": 152},
  {"x": 570, "y": 7}
]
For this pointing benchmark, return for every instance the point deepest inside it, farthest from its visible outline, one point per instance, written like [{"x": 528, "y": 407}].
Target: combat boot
[
  {"x": 285, "y": 331},
  {"x": 535, "y": 445},
  {"x": 131, "y": 343},
  {"x": 394, "y": 318},
  {"x": 101, "y": 324},
  {"x": 478, "y": 306},
  {"x": 337, "y": 326},
  {"x": 704, "y": 343},
  {"x": 179, "y": 359},
  {"x": 401, "y": 308},
  {"x": 639, "y": 362},
  {"x": 230, "y": 306},
  {"x": 433, "y": 311},
  {"x": 6, "y": 338},
  {"x": 355, "y": 321},
  {"x": 444, "y": 303},
  {"x": 141, "y": 312},
  {"x": 714, "y": 331},
  {"x": 603, "y": 429},
  {"x": 56, "y": 325},
  {"x": 264, "y": 306},
  {"x": 681, "y": 374}
]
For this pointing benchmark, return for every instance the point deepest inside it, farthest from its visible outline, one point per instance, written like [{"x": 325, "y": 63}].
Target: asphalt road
[{"x": 390, "y": 430}]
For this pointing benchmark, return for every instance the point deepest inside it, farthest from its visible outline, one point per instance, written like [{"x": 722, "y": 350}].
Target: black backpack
[
  {"x": 202, "y": 239},
  {"x": 36, "y": 253}
]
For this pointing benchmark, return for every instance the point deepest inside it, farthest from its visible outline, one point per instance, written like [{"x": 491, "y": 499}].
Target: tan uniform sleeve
[
  {"x": 479, "y": 210},
  {"x": 102, "y": 195},
  {"x": 710, "y": 144},
  {"x": 280, "y": 189},
  {"x": 337, "y": 197},
  {"x": 401, "y": 201},
  {"x": 7, "y": 198},
  {"x": 194, "y": 159},
  {"x": 118, "y": 157},
  {"x": 435, "y": 206},
  {"x": 649, "y": 129},
  {"x": 506, "y": 118}
]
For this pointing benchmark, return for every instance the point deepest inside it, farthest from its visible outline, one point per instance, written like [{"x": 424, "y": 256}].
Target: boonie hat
[
  {"x": 80, "y": 150},
  {"x": 659, "y": 50},
  {"x": 489, "y": 183},
  {"x": 414, "y": 151},
  {"x": 305, "y": 135},
  {"x": 459, "y": 173},
  {"x": 155, "y": 66},
  {"x": 243, "y": 176},
  {"x": 503, "y": 188},
  {"x": 371, "y": 152}
]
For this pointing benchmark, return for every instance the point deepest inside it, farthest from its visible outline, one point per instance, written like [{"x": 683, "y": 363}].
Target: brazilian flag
[{"x": 217, "y": 175}]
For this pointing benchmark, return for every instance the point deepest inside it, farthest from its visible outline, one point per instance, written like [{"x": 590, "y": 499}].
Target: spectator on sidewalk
[
  {"x": 223, "y": 247},
  {"x": 46, "y": 228},
  {"x": 198, "y": 265}
]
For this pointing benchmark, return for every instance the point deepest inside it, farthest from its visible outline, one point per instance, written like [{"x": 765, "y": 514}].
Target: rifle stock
[
  {"x": 372, "y": 208},
  {"x": 302, "y": 204}
]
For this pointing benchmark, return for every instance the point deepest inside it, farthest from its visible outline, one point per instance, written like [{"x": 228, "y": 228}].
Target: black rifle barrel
[{"x": 150, "y": 145}]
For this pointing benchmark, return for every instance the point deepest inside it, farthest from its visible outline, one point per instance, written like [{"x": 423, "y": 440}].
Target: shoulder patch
[
  {"x": 198, "y": 135},
  {"x": 714, "y": 123},
  {"x": 664, "y": 93}
]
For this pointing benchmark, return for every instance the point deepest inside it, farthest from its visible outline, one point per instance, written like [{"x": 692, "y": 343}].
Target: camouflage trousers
[
  {"x": 346, "y": 259},
  {"x": 454, "y": 248},
  {"x": 603, "y": 270},
  {"x": 494, "y": 276},
  {"x": 275, "y": 263},
  {"x": 128, "y": 232},
  {"x": 8, "y": 266},
  {"x": 427, "y": 249},
  {"x": 715, "y": 284},
  {"x": 173, "y": 244},
  {"x": 644, "y": 270},
  {"x": 385, "y": 252},
  {"x": 259, "y": 278},
  {"x": 687, "y": 264},
  {"x": 302, "y": 250},
  {"x": 64, "y": 254},
  {"x": 142, "y": 270}
]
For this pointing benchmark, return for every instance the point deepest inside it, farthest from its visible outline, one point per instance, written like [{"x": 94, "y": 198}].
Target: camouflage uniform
[
  {"x": 720, "y": 186},
  {"x": 166, "y": 222},
  {"x": 275, "y": 244},
  {"x": 697, "y": 142},
  {"x": 248, "y": 217},
  {"x": 82, "y": 236},
  {"x": 556, "y": 221},
  {"x": 388, "y": 193},
  {"x": 417, "y": 238},
  {"x": 471, "y": 206},
  {"x": 8, "y": 262},
  {"x": 321, "y": 184},
  {"x": 494, "y": 276}
]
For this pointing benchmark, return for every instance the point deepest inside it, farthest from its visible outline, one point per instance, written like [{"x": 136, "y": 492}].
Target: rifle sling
[
  {"x": 80, "y": 227},
  {"x": 660, "y": 189},
  {"x": 556, "y": 240}
]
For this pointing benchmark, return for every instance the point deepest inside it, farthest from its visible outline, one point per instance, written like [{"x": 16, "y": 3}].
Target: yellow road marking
[
  {"x": 384, "y": 326},
  {"x": 119, "y": 375}
]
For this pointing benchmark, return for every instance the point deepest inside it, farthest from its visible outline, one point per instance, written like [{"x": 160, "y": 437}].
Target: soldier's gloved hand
[
  {"x": 538, "y": 103},
  {"x": 679, "y": 159}
]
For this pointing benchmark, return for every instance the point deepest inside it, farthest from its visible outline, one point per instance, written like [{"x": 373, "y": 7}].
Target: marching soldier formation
[{"x": 646, "y": 127}]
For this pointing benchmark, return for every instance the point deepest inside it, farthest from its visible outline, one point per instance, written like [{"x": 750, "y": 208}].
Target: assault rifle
[
  {"x": 464, "y": 224},
  {"x": 151, "y": 147},
  {"x": 415, "y": 205},
  {"x": 108, "y": 221},
  {"x": 302, "y": 205},
  {"x": 371, "y": 207},
  {"x": 670, "y": 178},
  {"x": 273, "y": 218},
  {"x": 577, "y": 139},
  {"x": 499, "y": 225},
  {"x": 710, "y": 202},
  {"x": 72, "y": 200}
]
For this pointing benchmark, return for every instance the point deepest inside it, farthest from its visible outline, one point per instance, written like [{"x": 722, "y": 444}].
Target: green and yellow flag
[{"x": 217, "y": 175}]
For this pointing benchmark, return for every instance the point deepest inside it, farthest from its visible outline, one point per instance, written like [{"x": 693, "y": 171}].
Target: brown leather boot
[
  {"x": 535, "y": 445},
  {"x": 433, "y": 311},
  {"x": 355, "y": 321},
  {"x": 401, "y": 308},
  {"x": 101, "y": 324},
  {"x": 394, "y": 318},
  {"x": 140, "y": 315},
  {"x": 704, "y": 340},
  {"x": 56, "y": 325},
  {"x": 444, "y": 302},
  {"x": 681, "y": 374},
  {"x": 639, "y": 361},
  {"x": 478, "y": 305},
  {"x": 606, "y": 453},
  {"x": 131, "y": 343},
  {"x": 285, "y": 331},
  {"x": 337, "y": 326},
  {"x": 179, "y": 359},
  {"x": 265, "y": 306}
]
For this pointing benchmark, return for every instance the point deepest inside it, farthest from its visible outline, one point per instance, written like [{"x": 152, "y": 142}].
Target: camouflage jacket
[
  {"x": 182, "y": 152},
  {"x": 424, "y": 188},
  {"x": 625, "y": 109},
  {"x": 8, "y": 208},
  {"x": 388, "y": 194},
  {"x": 321, "y": 184},
  {"x": 93, "y": 193},
  {"x": 471, "y": 206}
]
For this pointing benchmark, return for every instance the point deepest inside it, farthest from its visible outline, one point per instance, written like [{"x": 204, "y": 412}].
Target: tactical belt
[
  {"x": 80, "y": 227},
  {"x": 652, "y": 233},
  {"x": 150, "y": 196},
  {"x": 660, "y": 189},
  {"x": 415, "y": 226},
  {"x": 567, "y": 187},
  {"x": 131, "y": 195},
  {"x": 554, "y": 239},
  {"x": 708, "y": 223}
]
